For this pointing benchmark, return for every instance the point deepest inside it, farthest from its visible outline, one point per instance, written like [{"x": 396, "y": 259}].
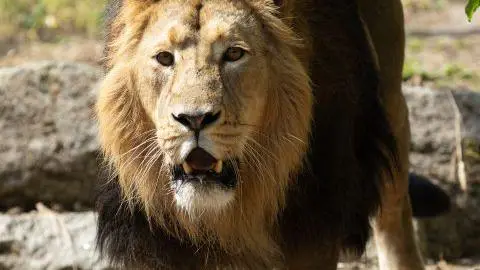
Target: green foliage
[
  {"x": 50, "y": 16},
  {"x": 471, "y": 7},
  {"x": 412, "y": 67}
]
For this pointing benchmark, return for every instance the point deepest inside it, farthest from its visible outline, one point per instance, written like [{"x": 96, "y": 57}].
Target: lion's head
[{"x": 204, "y": 115}]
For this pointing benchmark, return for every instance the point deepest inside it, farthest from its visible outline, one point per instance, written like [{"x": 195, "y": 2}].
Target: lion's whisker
[
  {"x": 259, "y": 164},
  {"x": 236, "y": 171},
  {"x": 268, "y": 152},
  {"x": 150, "y": 161},
  {"x": 145, "y": 157},
  {"x": 149, "y": 140},
  {"x": 296, "y": 138},
  {"x": 159, "y": 173},
  {"x": 130, "y": 159}
]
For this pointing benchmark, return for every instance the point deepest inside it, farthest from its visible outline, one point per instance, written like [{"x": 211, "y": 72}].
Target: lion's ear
[
  {"x": 284, "y": 6},
  {"x": 278, "y": 2}
]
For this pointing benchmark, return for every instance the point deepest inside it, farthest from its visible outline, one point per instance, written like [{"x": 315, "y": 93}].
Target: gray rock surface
[
  {"x": 48, "y": 147},
  {"x": 433, "y": 124},
  {"x": 48, "y": 240}
]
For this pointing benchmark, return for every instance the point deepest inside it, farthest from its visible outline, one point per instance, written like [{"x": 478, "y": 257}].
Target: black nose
[{"x": 196, "y": 121}]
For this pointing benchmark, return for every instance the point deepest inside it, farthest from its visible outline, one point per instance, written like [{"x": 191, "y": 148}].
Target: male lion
[{"x": 254, "y": 134}]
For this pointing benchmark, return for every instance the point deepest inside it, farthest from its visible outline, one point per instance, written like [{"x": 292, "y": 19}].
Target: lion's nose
[{"x": 197, "y": 122}]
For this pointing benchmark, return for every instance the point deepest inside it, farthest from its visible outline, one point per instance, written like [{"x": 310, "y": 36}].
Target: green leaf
[{"x": 471, "y": 7}]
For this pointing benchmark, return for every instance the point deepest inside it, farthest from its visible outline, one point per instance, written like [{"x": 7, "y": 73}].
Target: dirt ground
[{"x": 443, "y": 49}]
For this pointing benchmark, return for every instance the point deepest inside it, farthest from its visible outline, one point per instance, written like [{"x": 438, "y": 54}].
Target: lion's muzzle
[{"x": 201, "y": 177}]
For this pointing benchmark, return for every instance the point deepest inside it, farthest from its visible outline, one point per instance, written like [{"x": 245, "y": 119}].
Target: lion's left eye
[
  {"x": 233, "y": 54},
  {"x": 165, "y": 59}
]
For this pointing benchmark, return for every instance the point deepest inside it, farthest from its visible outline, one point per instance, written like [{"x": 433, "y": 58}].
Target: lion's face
[
  {"x": 204, "y": 81},
  {"x": 206, "y": 107}
]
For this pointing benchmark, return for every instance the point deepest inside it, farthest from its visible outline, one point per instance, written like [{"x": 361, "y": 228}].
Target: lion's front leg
[
  {"x": 394, "y": 238},
  {"x": 393, "y": 225},
  {"x": 393, "y": 229}
]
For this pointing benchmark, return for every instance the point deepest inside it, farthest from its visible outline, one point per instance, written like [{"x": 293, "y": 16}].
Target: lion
[{"x": 254, "y": 134}]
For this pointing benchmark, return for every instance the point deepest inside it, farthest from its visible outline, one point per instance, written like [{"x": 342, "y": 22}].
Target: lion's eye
[
  {"x": 233, "y": 54},
  {"x": 165, "y": 58}
]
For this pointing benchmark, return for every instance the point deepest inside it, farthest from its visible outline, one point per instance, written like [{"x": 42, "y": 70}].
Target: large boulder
[
  {"x": 48, "y": 147},
  {"x": 438, "y": 118},
  {"x": 440, "y": 121}
]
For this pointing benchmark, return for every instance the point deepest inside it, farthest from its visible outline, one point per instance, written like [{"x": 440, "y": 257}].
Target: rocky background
[{"x": 49, "y": 160}]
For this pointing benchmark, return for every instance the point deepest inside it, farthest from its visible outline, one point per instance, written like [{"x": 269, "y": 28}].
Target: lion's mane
[{"x": 319, "y": 186}]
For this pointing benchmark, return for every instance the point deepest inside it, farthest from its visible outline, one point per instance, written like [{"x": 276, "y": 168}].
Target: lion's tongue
[{"x": 201, "y": 160}]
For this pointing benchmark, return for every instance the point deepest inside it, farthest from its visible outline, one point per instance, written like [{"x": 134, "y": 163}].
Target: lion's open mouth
[{"x": 202, "y": 168}]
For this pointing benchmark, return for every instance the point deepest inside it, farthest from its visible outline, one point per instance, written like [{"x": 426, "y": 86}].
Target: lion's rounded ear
[{"x": 278, "y": 2}]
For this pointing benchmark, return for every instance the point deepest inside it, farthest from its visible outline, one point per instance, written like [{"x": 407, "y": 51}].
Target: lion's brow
[{"x": 179, "y": 34}]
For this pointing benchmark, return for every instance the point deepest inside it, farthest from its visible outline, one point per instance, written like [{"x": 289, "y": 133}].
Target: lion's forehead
[{"x": 180, "y": 24}]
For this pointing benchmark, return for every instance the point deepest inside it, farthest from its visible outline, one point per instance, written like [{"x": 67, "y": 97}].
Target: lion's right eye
[
  {"x": 165, "y": 58},
  {"x": 233, "y": 54}
]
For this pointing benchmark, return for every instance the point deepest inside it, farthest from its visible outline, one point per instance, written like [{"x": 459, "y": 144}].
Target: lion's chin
[
  {"x": 197, "y": 192},
  {"x": 202, "y": 183},
  {"x": 196, "y": 198}
]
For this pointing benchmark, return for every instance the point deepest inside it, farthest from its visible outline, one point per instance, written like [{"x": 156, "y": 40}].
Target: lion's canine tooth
[
  {"x": 219, "y": 166},
  {"x": 187, "y": 168}
]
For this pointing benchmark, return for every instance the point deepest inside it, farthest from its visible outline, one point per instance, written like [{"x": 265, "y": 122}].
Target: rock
[
  {"x": 48, "y": 144},
  {"x": 433, "y": 154},
  {"x": 433, "y": 123},
  {"x": 48, "y": 240}
]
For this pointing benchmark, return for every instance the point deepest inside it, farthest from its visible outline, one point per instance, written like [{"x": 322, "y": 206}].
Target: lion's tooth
[
  {"x": 187, "y": 168},
  {"x": 219, "y": 166}
]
